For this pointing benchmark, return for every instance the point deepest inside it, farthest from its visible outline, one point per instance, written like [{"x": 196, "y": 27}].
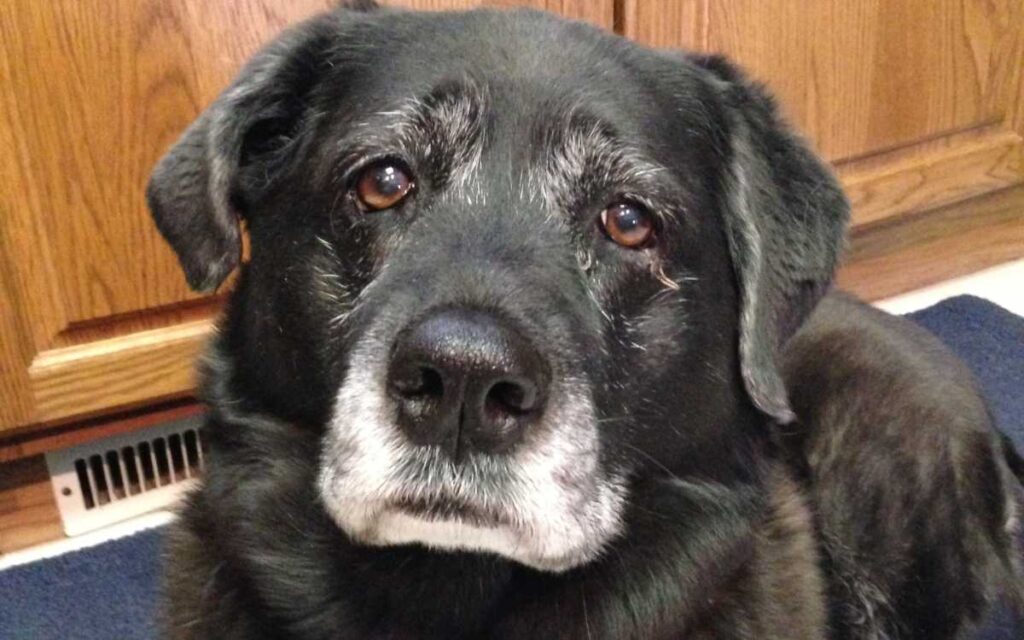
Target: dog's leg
[{"x": 906, "y": 474}]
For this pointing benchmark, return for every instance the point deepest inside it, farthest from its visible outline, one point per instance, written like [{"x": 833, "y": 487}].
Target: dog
[{"x": 536, "y": 339}]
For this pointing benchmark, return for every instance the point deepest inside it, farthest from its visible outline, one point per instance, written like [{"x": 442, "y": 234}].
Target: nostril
[
  {"x": 419, "y": 391},
  {"x": 418, "y": 381},
  {"x": 433, "y": 383},
  {"x": 510, "y": 398}
]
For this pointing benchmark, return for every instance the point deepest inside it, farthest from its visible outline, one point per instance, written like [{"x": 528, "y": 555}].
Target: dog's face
[{"x": 504, "y": 266}]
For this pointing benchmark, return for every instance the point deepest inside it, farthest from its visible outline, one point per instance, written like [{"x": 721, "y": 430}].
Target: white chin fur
[
  {"x": 397, "y": 528},
  {"x": 562, "y": 509}
]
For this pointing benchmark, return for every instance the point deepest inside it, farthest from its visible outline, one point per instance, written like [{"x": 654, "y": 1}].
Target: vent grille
[{"x": 108, "y": 480}]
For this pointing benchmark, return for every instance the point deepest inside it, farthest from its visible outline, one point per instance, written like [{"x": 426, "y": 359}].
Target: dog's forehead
[
  {"x": 530, "y": 66},
  {"x": 406, "y": 47}
]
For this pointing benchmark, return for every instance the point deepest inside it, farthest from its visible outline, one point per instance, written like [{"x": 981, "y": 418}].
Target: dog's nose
[{"x": 466, "y": 380}]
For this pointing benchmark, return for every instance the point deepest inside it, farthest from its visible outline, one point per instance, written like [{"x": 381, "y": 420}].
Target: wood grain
[
  {"x": 28, "y": 512},
  {"x": 120, "y": 372},
  {"x": 916, "y": 251},
  {"x": 15, "y": 351},
  {"x": 99, "y": 90},
  {"x": 892, "y": 184},
  {"x": 859, "y": 76},
  {"x": 27, "y": 279},
  {"x": 598, "y": 12},
  {"x": 91, "y": 93}
]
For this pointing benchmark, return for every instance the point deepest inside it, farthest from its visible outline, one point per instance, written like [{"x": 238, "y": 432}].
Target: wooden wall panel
[
  {"x": 857, "y": 76},
  {"x": 15, "y": 353},
  {"x": 599, "y": 12},
  {"x": 100, "y": 90}
]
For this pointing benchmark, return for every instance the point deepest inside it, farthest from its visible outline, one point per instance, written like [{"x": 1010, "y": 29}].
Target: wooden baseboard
[
  {"x": 28, "y": 512},
  {"x": 933, "y": 174},
  {"x": 34, "y": 442},
  {"x": 911, "y": 252}
]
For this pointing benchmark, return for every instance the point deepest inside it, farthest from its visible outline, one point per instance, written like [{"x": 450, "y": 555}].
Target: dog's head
[{"x": 503, "y": 265}]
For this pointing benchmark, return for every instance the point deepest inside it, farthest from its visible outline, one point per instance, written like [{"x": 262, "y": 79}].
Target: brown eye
[
  {"x": 628, "y": 224},
  {"x": 382, "y": 185}
]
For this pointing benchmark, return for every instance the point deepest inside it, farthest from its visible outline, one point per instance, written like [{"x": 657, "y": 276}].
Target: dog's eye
[
  {"x": 628, "y": 224},
  {"x": 383, "y": 185}
]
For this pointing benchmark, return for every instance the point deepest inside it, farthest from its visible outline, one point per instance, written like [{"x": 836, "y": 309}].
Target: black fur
[{"x": 789, "y": 474}]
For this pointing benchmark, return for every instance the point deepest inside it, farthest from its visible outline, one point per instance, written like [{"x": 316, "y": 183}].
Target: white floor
[
  {"x": 114, "y": 531},
  {"x": 1003, "y": 285}
]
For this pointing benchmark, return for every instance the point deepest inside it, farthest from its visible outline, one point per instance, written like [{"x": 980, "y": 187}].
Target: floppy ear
[
  {"x": 193, "y": 192},
  {"x": 786, "y": 219}
]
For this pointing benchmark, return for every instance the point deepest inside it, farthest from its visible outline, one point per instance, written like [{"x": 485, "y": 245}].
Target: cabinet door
[
  {"x": 94, "y": 313},
  {"x": 918, "y": 103}
]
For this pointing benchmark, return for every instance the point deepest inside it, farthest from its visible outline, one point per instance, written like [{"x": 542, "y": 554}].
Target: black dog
[{"x": 514, "y": 357}]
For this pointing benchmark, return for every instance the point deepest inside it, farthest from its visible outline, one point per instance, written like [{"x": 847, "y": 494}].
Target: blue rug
[
  {"x": 106, "y": 592},
  {"x": 109, "y": 592}
]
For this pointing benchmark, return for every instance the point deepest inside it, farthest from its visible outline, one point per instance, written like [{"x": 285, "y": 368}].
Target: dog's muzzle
[{"x": 455, "y": 431}]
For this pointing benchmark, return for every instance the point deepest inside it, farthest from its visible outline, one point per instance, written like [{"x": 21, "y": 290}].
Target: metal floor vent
[{"x": 104, "y": 481}]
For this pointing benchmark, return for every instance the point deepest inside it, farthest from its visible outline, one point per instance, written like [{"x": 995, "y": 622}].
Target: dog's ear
[
  {"x": 196, "y": 191},
  {"x": 786, "y": 217}
]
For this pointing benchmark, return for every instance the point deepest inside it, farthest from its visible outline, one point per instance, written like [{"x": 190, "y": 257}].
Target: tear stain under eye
[{"x": 658, "y": 270}]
